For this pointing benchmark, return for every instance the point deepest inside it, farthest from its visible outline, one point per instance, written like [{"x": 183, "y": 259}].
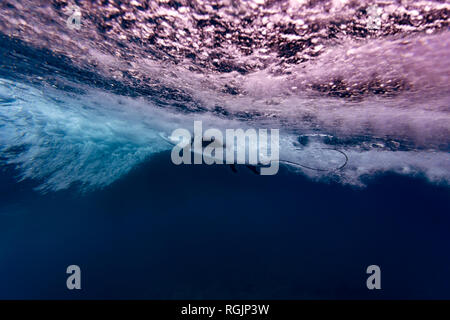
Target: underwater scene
[{"x": 336, "y": 186}]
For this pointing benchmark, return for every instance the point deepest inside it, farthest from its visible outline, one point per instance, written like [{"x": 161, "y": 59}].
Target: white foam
[
  {"x": 91, "y": 140},
  {"x": 61, "y": 138}
]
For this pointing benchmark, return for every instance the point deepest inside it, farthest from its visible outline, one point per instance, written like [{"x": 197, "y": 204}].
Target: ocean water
[{"x": 87, "y": 179}]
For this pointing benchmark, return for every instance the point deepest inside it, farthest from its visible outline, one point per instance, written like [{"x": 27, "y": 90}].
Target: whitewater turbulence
[{"x": 83, "y": 107}]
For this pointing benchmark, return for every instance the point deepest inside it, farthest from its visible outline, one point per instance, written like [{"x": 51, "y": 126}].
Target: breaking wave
[{"x": 85, "y": 106}]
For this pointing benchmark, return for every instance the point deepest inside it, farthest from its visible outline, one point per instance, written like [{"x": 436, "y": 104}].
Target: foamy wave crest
[
  {"x": 91, "y": 139},
  {"x": 85, "y": 106},
  {"x": 60, "y": 138}
]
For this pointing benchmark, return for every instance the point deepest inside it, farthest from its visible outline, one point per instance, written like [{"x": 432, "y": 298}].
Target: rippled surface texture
[{"x": 371, "y": 76}]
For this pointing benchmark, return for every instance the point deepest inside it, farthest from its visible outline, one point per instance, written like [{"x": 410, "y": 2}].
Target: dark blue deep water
[{"x": 204, "y": 232}]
